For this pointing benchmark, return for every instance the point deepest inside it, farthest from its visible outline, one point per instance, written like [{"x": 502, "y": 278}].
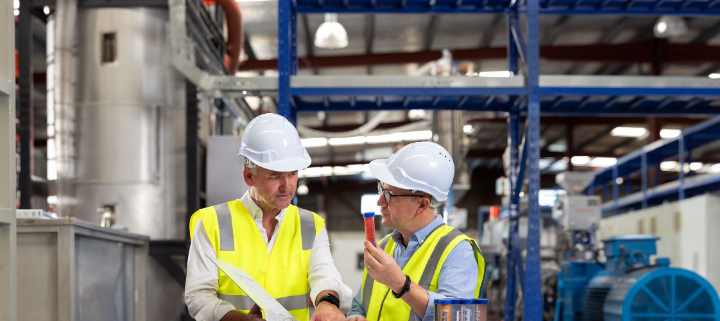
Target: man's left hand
[
  {"x": 383, "y": 268},
  {"x": 326, "y": 311}
]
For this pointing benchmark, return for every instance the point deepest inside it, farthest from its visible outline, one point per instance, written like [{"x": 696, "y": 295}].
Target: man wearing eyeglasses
[{"x": 422, "y": 259}]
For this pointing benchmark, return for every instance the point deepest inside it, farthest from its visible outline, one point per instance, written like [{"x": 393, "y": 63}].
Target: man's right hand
[
  {"x": 253, "y": 315},
  {"x": 357, "y": 318}
]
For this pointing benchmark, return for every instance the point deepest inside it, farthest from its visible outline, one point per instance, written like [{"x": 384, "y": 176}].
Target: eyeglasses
[{"x": 389, "y": 196}]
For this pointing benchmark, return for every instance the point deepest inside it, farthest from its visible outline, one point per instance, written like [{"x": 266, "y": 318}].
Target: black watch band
[
  {"x": 405, "y": 288},
  {"x": 329, "y": 298}
]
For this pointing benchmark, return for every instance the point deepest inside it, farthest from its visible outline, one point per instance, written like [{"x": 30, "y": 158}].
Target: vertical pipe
[
  {"x": 64, "y": 103},
  {"x": 512, "y": 50},
  {"x": 515, "y": 185},
  {"x": 615, "y": 188},
  {"x": 533, "y": 293},
  {"x": 192, "y": 153},
  {"x": 25, "y": 103},
  {"x": 644, "y": 173},
  {"x": 284, "y": 59},
  {"x": 681, "y": 155}
]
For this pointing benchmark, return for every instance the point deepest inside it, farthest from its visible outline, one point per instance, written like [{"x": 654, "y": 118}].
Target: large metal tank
[
  {"x": 123, "y": 134},
  {"x": 129, "y": 103}
]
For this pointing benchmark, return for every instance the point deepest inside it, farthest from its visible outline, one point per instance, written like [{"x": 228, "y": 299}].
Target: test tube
[
  {"x": 442, "y": 310},
  {"x": 455, "y": 310},
  {"x": 370, "y": 227},
  {"x": 481, "y": 309},
  {"x": 468, "y": 309}
]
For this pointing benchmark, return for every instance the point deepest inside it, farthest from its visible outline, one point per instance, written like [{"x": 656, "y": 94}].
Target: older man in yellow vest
[
  {"x": 283, "y": 247},
  {"x": 423, "y": 259}
]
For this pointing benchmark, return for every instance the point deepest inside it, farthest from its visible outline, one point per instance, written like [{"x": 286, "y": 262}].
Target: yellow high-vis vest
[
  {"x": 237, "y": 240},
  {"x": 423, "y": 268}
]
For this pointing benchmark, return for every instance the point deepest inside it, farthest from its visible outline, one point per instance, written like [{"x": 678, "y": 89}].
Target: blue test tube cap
[
  {"x": 369, "y": 214},
  {"x": 467, "y": 301},
  {"x": 481, "y": 301},
  {"x": 443, "y": 301},
  {"x": 456, "y": 301}
]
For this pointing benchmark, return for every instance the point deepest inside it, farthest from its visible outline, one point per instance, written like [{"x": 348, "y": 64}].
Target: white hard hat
[
  {"x": 272, "y": 142},
  {"x": 422, "y": 166}
]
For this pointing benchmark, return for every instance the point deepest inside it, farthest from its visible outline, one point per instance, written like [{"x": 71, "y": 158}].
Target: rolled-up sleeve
[
  {"x": 458, "y": 278},
  {"x": 201, "y": 283},
  {"x": 322, "y": 273}
]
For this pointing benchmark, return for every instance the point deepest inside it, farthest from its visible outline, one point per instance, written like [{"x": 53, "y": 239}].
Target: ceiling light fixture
[
  {"x": 714, "y": 76},
  {"x": 670, "y": 26},
  {"x": 331, "y": 34},
  {"x": 628, "y": 131},
  {"x": 669, "y": 133}
]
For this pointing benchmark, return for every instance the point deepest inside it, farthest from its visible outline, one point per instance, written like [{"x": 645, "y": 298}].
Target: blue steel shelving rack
[{"x": 563, "y": 98}]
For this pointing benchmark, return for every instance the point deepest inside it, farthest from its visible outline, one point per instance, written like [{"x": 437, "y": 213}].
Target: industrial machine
[{"x": 628, "y": 287}]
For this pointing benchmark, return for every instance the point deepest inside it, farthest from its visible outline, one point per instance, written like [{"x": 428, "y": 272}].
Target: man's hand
[
  {"x": 253, "y": 315},
  {"x": 357, "y": 318},
  {"x": 326, "y": 311},
  {"x": 382, "y": 267}
]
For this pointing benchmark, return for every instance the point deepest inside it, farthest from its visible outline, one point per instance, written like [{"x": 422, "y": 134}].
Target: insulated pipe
[{"x": 235, "y": 34}]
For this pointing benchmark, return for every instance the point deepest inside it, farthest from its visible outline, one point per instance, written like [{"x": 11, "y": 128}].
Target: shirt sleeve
[
  {"x": 322, "y": 272},
  {"x": 201, "y": 284},
  {"x": 357, "y": 306},
  {"x": 457, "y": 278}
]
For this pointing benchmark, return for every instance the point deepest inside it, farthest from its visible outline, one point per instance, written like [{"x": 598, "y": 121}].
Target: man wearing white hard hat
[
  {"x": 283, "y": 247},
  {"x": 422, "y": 259}
]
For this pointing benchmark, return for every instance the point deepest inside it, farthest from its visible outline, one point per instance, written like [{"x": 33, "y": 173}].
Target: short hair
[
  {"x": 433, "y": 201},
  {"x": 249, "y": 164}
]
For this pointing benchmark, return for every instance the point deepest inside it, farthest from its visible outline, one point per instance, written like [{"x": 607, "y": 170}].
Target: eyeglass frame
[{"x": 388, "y": 197}]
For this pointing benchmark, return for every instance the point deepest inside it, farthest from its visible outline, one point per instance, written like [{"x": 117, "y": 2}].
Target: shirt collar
[
  {"x": 421, "y": 234},
  {"x": 255, "y": 210}
]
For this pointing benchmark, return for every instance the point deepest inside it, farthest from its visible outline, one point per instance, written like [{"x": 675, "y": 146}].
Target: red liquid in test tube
[{"x": 370, "y": 227}]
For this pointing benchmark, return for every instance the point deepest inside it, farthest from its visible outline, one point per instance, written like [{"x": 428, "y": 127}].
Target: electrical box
[{"x": 578, "y": 212}]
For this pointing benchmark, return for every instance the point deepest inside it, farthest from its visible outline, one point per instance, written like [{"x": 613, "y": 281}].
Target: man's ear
[
  {"x": 424, "y": 205},
  {"x": 247, "y": 176}
]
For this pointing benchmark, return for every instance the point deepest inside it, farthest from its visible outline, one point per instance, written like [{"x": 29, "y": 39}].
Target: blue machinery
[
  {"x": 530, "y": 94},
  {"x": 628, "y": 287}
]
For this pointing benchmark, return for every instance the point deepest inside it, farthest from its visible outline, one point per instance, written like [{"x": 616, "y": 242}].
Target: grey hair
[
  {"x": 434, "y": 203},
  {"x": 252, "y": 166}
]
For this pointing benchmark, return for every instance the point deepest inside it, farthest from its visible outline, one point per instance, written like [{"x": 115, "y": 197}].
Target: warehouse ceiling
[{"x": 372, "y": 35}]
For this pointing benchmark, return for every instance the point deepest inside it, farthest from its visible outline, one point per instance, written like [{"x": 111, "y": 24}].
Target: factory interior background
[{"x": 585, "y": 136}]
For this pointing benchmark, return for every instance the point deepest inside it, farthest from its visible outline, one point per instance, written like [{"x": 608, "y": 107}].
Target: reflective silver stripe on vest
[
  {"x": 434, "y": 260},
  {"x": 307, "y": 228},
  {"x": 224, "y": 218},
  {"x": 240, "y": 302},
  {"x": 244, "y": 302}
]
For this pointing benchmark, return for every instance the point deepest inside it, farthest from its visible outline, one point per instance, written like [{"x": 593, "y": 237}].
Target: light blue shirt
[{"x": 457, "y": 276}]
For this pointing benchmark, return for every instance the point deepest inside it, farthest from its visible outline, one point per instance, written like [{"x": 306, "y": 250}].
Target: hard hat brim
[
  {"x": 285, "y": 165},
  {"x": 379, "y": 169}
]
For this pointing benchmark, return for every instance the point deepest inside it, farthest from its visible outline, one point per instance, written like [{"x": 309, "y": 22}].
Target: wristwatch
[
  {"x": 405, "y": 288},
  {"x": 329, "y": 298}
]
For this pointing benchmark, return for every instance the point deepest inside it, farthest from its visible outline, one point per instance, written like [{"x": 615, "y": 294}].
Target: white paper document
[{"x": 273, "y": 310}]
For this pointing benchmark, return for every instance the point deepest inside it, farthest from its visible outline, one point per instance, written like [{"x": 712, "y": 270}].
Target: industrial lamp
[
  {"x": 670, "y": 26},
  {"x": 331, "y": 34}
]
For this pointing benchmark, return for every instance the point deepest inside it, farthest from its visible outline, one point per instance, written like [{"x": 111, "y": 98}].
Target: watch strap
[
  {"x": 405, "y": 288},
  {"x": 329, "y": 298}
]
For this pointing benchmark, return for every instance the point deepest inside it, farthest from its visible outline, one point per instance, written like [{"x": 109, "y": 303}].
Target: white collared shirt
[{"x": 202, "y": 275}]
